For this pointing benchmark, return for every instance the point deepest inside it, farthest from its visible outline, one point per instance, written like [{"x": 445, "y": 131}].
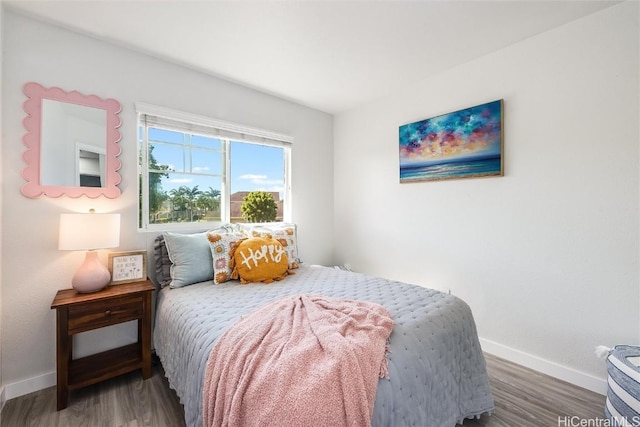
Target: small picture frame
[{"x": 127, "y": 267}]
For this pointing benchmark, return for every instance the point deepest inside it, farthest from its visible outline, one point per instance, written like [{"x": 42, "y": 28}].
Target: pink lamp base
[{"x": 92, "y": 275}]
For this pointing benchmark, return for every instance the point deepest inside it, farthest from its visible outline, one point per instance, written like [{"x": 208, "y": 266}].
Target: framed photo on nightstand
[{"x": 127, "y": 267}]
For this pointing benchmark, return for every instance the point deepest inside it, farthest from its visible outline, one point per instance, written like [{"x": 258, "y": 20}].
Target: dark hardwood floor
[{"x": 522, "y": 397}]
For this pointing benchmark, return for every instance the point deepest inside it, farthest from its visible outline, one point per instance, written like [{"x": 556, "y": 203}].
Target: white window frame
[{"x": 225, "y": 131}]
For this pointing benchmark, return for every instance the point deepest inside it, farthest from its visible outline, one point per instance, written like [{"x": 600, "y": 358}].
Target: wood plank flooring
[
  {"x": 125, "y": 401},
  {"x": 523, "y": 398},
  {"x": 527, "y": 398}
]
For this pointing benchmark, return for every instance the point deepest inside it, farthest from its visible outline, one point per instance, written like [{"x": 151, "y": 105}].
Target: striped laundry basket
[{"x": 623, "y": 394}]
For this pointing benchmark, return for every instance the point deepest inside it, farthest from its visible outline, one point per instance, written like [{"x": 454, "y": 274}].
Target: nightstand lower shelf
[{"x": 102, "y": 366}]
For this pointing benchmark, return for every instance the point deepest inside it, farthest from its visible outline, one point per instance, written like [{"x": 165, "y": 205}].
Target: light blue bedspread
[{"x": 437, "y": 373}]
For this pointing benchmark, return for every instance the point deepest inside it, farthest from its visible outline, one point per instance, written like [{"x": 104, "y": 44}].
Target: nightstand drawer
[{"x": 85, "y": 317}]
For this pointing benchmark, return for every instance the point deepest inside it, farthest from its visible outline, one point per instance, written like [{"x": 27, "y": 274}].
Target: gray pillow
[
  {"x": 162, "y": 262},
  {"x": 191, "y": 258}
]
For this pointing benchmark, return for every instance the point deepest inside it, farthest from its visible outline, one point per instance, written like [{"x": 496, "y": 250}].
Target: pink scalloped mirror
[{"x": 71, "y": 144}]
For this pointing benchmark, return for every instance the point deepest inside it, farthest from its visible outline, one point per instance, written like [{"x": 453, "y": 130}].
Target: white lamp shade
[{"x": 89, "y": 231}]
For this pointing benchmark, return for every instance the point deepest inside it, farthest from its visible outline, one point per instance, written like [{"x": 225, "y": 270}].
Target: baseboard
[
  {"x": 29, "y": 385},
  {"x": 564, "y": 373}
]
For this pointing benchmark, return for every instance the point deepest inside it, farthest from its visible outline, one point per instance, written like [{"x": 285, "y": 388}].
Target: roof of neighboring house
[{"x": 238, "y": 196}]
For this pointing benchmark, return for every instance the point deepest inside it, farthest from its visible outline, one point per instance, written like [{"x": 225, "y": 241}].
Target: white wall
[
  {"x": 546, "y": 256},
  {"x": 2, "y": 394},
  {"x": 33, "y": 269}
]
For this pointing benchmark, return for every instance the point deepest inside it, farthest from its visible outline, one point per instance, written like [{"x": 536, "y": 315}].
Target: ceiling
[{"x": 328, "y": 55}]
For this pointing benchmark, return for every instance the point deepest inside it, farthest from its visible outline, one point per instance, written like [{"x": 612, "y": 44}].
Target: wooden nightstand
[{"x": 76, "y": 312}]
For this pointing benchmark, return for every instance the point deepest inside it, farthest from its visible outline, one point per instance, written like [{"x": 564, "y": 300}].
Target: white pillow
[{"x": 285, "y": 233}]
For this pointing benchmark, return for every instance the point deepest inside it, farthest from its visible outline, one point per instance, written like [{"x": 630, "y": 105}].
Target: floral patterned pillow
[{"x": 221, "y": 246}]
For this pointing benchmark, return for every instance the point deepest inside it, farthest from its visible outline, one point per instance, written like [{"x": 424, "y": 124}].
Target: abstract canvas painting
[{"x": 463, "y": 144}]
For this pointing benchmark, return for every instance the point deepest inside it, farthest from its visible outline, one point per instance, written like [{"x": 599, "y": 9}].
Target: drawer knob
[{"x": 107, "y": 313}]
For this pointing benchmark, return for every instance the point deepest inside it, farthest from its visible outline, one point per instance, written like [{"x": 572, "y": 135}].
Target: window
[{"x": 197, "y": 170}]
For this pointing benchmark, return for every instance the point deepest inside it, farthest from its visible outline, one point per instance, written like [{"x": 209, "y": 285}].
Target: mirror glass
[
  {"x": 72, "y": 144},
  {"x": 73, "y": 139}
]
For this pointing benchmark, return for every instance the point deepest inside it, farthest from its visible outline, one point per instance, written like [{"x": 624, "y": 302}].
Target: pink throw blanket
[{"x": 302, "y": 360}]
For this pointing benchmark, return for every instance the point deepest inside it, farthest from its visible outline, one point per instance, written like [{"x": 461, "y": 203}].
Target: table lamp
[{"x": 90, "y": 231}]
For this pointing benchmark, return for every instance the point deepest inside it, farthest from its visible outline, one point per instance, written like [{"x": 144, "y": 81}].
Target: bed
[{"x": 437, "y": 372}]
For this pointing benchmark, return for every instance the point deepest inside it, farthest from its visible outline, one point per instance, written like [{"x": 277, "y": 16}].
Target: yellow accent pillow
[{"x": 260, "y": 259}]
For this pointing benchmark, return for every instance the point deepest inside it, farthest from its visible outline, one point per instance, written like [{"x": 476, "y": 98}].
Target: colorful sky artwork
[{"x": 474, "y": 132}]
